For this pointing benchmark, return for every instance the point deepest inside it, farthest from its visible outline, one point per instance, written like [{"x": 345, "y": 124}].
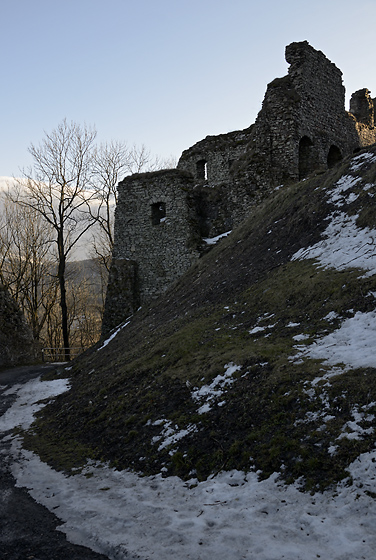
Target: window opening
[
  {"x": 202, "y": 170},
  {"x": 158, "y": 213},
  {"x": 334, "y": 156},
  {"x": 306, "y": 157}
]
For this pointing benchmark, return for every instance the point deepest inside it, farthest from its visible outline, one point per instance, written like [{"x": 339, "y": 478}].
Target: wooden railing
[{"x": 57, "y": 355}]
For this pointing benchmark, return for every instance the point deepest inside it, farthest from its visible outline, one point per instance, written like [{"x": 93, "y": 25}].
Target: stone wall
[
  {"x": 156, "y": 239},
  {"x": 123, "y": 296},
  {"x": 362, "y": 107},
  {"x": 303, "y": 126},
  {"x": 210, "y": 160},
  {"x": 162, "y": 217},
  {"x": 16, "y": 339}
]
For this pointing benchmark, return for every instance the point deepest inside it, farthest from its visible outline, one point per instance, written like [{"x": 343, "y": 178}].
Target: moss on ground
[{"x": 243, "y": 304}]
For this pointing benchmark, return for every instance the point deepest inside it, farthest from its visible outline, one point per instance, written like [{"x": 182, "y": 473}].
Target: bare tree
[
  {"x": 140, "y": 159},
  {"x": 71, "y": 186},
  {"x": 27, "y": 263},
  {"x": 57, "y": 187},
  {"x": 112, "y": 161},
  {"x": 85, "y": 317}
]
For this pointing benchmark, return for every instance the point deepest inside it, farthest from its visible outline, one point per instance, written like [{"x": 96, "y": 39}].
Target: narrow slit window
[
  {"x": 202, "y": 170},
  {"x": 158, "y": 213}
]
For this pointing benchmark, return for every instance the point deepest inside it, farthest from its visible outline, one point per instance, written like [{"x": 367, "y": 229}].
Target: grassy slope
[{"x": 269, "y": 418}]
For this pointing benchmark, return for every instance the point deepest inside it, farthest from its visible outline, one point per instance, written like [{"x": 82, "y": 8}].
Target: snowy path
[
  {"x": 27, "y": 529},
  {"x": 228, "y": 517}
]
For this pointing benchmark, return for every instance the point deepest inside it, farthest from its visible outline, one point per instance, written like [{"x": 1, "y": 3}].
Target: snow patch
[
  {"x": 256, "y": 330},
  {"x": 299, "y": 337},
  {"x": 228, "y": 516},
  {"x": 108, "y": 340},
  {"x": 331, "y": 316},
  {"x": 353, "y": 344},
  {"x": 29, "y": 396},
  {"x": 360, "y": 160},
  {"x": 344, "y": 246},
  {"x": 170, "y": 433},
  {"x": 343, "y": 185},
  {"x": 214, "y": 240},
  {"x": 352, "y": 430},
  {"x": 207, "y": 393}
]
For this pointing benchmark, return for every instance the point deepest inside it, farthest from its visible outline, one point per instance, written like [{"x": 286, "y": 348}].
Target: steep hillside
[{"x": 261, "y": 356}]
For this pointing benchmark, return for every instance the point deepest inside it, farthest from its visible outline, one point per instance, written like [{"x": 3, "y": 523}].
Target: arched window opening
[
  {"x": 306, "y": 157},
  {"x": 158, "y": 213},
  {"x": 202, "y": 170},
  {"x": 334, "y": 156}
]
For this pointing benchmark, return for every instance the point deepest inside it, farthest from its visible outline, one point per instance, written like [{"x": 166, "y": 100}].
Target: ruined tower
[{"x": 163, "y": 218}]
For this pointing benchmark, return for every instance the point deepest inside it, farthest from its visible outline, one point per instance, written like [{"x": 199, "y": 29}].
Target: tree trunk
[{"x": 63, "y": 298}]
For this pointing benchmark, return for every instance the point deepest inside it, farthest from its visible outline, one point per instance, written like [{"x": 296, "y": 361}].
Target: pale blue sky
[{"x": 165, "y": 73}]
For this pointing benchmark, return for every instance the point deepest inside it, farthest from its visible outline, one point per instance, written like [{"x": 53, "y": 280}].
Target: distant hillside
[
  {"x": 261, "y": 356},
  {"x": 85, "y": 270}
]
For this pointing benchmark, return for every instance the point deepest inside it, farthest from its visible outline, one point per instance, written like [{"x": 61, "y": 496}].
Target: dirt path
[{"x": 27, "y": 529}]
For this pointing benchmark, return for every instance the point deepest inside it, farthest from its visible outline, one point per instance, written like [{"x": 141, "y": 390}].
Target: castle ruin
[{"x": 162, "y": 218}]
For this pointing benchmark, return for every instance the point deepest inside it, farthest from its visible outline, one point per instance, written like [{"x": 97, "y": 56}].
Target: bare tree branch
[{"x": 58, "y": 187}]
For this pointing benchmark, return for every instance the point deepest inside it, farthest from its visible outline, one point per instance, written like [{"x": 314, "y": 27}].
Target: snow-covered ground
[{"x": 230, "y": 516}]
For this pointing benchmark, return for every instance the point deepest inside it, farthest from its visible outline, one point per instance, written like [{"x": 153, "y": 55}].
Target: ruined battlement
[
  {"x": 315, "y": 78},
  {"x": 210, "y": 160},
  {"x": 303, "y": 125},
  {"x": 162, "y": 218},
  {"x": 362, "y": 107}
]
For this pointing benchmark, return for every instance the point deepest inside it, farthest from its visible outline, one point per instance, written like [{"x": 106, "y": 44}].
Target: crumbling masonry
[{"x": 162, "y": 218}]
